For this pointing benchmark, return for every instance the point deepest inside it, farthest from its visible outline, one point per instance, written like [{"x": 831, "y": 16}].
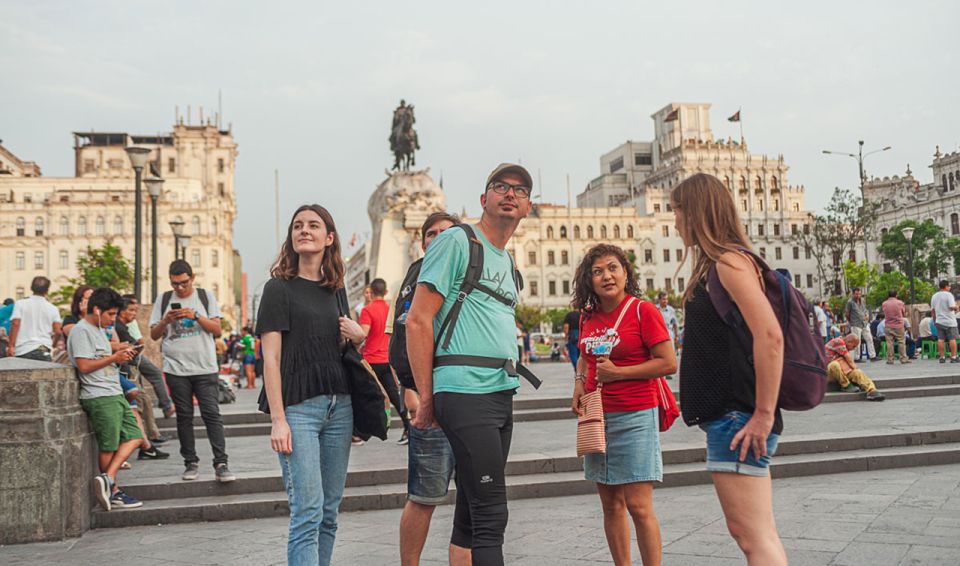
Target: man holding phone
[{"x": 188, "y": 321}]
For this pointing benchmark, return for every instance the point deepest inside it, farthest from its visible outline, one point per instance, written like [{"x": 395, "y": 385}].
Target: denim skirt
[{"x": 633, "y": 450}]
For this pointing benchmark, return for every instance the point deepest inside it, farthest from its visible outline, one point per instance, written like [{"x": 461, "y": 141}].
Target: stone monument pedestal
[{"x": 47, "y": 453}]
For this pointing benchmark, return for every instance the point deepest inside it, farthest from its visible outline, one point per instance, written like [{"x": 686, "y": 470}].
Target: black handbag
[{"x": 366, "y": 394}]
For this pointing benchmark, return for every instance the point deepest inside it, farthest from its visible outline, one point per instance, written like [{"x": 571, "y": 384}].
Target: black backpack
[
  {"x": 167, "y": 295},
  {"x": 471, "y": 282},
  {"x": 398, "y": 340}
]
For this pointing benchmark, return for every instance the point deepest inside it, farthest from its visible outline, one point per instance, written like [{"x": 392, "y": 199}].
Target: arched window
[
  {"x": 589, "y": 232},
  {"x": 951, "y": 181},
  {"x": 195, "y": 226},
  {"x": 603, "y": 231},
  {"x": 82, "y": 226},
  {"x": 954, "y": 224},
  {"x": 774, "y": 184},
  {"x": 549, "y": 232},
  {"x": 38, "y": 226},
  {"x": 743, "y": 183},
  {"x": 118, "y": 225},
  {"x": 100, "y": 227},
  {"x": 630, "y": 231},
  {"x": 214, "y": 226},
  {"x": 776, "y": 204},
  {"x": 943, "y": 179},
  {"x": 195, "y": 259},
  {"x": 214, "y": 258},
  {"x": 21, "y": 226},
  {"x": 758, "y": 183},
  {"x": 576, "y": 232},
  {"x": 883, "y": 232},
  {"x": 616, "y": 231},
  {"x": 563, "y": 232},
  {"x": 64, "y": 259},
  {"x": 64, "y": 226}
]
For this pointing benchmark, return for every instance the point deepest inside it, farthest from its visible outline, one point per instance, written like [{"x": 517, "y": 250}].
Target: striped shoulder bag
[{"x": 591, "y": 431}]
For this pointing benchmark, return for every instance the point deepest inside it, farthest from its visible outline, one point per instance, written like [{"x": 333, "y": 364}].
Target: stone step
[
  {"x": 393, "y": 496},
  {"x": 551, "y": 408},
  {"x": 536, "y": 464}
]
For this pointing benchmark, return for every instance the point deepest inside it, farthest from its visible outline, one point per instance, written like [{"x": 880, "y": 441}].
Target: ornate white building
[
  {"x": 47, "y": 222},
  {"x": 904, "y": 198}
]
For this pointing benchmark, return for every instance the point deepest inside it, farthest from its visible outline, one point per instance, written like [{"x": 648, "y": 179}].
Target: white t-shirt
[
  {"x": 821, "y": 319},
  {"x": 187, "y": 348},
  {"x": 37, "y": 317},
  {"x": 943, "y": 304}
]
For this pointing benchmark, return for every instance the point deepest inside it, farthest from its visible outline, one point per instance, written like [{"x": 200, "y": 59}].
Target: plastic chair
[
  {"x": 883, "y": 348},
  {"x": 930, "y": 350}
]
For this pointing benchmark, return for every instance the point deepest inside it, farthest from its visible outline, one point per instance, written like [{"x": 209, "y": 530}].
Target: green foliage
[
  {"x": 555, "y": 318},
  {"x": 675, "y": 300},
  {"x": 100, "y": 267},
  {"x": 529, "y": 316},
  {"x": 837, "y": 302},
  {"x": 858, "y": 275},
  {"x": 886, "y": 282},
  {"x": 933, "y": 250}
]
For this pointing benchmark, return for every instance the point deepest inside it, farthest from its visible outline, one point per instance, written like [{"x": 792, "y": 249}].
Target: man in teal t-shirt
[{"x": 473, "y": 405}]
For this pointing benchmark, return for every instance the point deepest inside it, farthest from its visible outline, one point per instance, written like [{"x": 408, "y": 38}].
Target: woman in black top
[
  {"x": 306, "y": 389},
  {"x": 78, "y": 308},
  {"x": 730, "y": 393}
]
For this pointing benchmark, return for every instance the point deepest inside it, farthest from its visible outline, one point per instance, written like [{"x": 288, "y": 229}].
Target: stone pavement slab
[{"x": 897, "y": 517}]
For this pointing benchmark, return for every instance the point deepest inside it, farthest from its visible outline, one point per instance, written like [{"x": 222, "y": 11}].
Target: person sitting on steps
[{"x": 842, "y": 369}]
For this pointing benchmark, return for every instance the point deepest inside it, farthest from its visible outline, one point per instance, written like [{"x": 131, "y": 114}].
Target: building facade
[{"x": 46, "y": 223}]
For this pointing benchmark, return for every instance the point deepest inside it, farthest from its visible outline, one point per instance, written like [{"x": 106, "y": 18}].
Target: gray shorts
[{"x": 946, "y": 332}]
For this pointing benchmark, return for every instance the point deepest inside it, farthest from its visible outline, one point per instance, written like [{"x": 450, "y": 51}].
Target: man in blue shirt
[{"x": 473, "y": 404}]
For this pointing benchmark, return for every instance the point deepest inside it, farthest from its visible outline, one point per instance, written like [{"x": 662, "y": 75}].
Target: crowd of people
[{"x": 447, "y": 357}]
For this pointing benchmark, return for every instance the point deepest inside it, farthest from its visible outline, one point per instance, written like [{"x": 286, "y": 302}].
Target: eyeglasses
[
  {"x": 180, "y": 284},
  {"x": 501, "y": 188}
]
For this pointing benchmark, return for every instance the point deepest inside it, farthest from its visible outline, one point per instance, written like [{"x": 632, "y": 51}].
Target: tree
[
  {"x": 895, "y": 280},
  {"x": 858, "y": 275},
  {"x": 100, "y": 267},
  {"x": 529, "y": 316},
  {"x": 933, "y": 250},
  {"x": 555, "y": 318}
]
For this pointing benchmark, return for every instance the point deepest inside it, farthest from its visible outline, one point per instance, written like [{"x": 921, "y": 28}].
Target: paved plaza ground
[{"x": 894, "y": 517}]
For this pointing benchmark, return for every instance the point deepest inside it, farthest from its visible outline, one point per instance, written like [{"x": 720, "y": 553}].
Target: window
[
  {"x": 793, "y": 229},
  {"x": 195, "y": 259},
  {"x": 20, "y": 294},
  {"x": 549, "y": 232},
  {"x": 566, "y": 286},
  {"x": 807, "y": 252},
  {"x": 101, "y": 226},
  {"x": 796, "y": 207},
  {"x": 656, "y": 207},
  {"x": 576, "y": 232},
  {"x": 679, "y": 255},
  {"x": 954, "y": 224},
  {"x": 642, "y": 159},
  {"x": 21, "y": 261},
  {"x": 195, "y": 225},
  {"x": 563, "y": 232},
  {"x": 64, "y": 259},
  {"x": 616, "y": 232},
  {"x": 810, "y": 281},
  {"x": 589, "y": 232},
  {"x": 38, "y": 260},
  {"x": 763, "y": 253},
  {"x": 616, "y": 164},
  {"x": 943, "y": 179},
  {"x": 743, "y": 183},
  {"x": 28, "y": 197},
  {"x": 532, "y": 258},
  {"x": 796, "y": 255},
  {"x": 761, "y": 230},
  {"x": 951, "y": 180},
  {"x": 118, "y": 225},
  {"x": 82, "y": 225},
  {"x": 115, "y": 163},
  {"x": 746, "y": 229},
  {"x": 21, "y": 226},
  {"x": 776, "y": 229},
  {"x": 777, "y": 254},
  {"x": 853, "y": 258},
  {"x": 774, "y": 185},
  {"x": 681, "y": 284},
  {"x": 668, "y": 284},
  {"x": 726, "y": 182},
  {"x": 776, "y": 204},
  {"x": 221, "y": 189},
  {"x": 564, "y": 258},
  {"x": 38, "y": 226},
  {"x": 760, "y": 204},
  {"x": 214, "y": 258},
  {"x": 743, "y": 205},
  {"x": 669, "y": 208},
  {"x": 758, "y": 184},
  {"x": 534, "y": 289},
  {"x": 220, "y": 165},
  {"x": 64, "y": 226},
  {"x": 603, "y": 231},
  {"x": 630, "y": 231},
  {"x": 647, "y": 256},
  {"x": 551, "y": 259},
  {"x": 796, "y": 280},
  {"x": 649, "y": 284},
  {"x": 666, "y": 255},
  {"x": 89, "y": 166},
  {"x": 552, "y": 288},
  {"x": 665, "y": 230},
  {"x": 806, "y": 229},
  {"x": 171, "y": 165}
]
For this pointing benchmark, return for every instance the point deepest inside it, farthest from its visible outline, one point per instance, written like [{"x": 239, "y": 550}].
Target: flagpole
[{"x": 740, "y": 121}]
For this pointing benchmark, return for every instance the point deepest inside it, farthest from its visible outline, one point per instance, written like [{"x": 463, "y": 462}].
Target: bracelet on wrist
[{"x": 580, "y": 377}]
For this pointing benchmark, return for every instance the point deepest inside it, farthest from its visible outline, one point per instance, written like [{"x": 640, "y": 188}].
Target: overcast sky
[{"x": 310, "y": 87}]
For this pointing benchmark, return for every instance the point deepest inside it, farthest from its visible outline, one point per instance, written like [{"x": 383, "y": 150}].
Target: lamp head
[
  {"x": 177, "y": 227},
  {"x": 908, "y": 233},
  {"x": 138, "y": 156},
  {"x": 154, "y": 186}
]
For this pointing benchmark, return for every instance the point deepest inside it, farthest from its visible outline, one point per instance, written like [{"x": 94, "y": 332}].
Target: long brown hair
[
  {"x": 711, "y": 224},
  {"x": 584, "y": 297},
  {"x": 331, "y": 267}
]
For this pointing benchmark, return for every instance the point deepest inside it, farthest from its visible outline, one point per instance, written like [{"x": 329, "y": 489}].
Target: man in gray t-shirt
[
  {"x": 188, "y": 322},
  {"x": 858, "y": 316},
  {"x": 945, "y": 320}
]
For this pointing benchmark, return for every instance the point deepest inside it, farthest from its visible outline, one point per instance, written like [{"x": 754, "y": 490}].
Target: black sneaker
[
  {"x": 121, "y": 500},
  {"x": 223, "y": 473},
  {"x": 943, "y": 360},
  {"x": 153, "y": 454},
  {"x": 160, "y": 440},
  {"x": 875, "y": 396},
  {"x": 404, "y": 438},
  {"x": 191, "y": 472},
  {"x": 954, "y": 360}
]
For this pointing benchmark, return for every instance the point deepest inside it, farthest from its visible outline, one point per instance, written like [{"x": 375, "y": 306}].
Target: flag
[
  {"x": 735, "y": 117},
  {"x": 672, "y": 116}
]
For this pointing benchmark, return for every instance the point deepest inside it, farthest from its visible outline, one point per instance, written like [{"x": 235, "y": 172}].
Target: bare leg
[
  {"x": 953, "y": 348},
  {"x": 120, "y": 456},
  {"x": 251, "y": 377},
  {"x": 747, "y": 503},
  {"x": 940, "y": 347},
  {"x": 639, "y": 497},
  {"x": 615, "y": 523},
  {"x": 146, "y": 443},
  {"x": 414, "y": 526}
]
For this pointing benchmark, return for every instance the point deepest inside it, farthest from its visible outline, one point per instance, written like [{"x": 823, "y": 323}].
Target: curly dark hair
[{"x": 584, "y": 298}]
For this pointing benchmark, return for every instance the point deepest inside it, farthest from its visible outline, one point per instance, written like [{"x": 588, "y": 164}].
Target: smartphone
[
  {"x": 175, "y": 306},
  {"x": 138, "y": 348}
]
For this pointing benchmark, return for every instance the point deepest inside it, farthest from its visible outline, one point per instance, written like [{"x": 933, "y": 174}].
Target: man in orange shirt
[{"x": 373, "y": 320}]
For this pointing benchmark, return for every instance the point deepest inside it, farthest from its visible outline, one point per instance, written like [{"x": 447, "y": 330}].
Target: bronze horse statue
[{"x": 403, "y": 138}]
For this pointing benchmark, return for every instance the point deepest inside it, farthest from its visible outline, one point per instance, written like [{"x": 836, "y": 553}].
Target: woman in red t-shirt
[{"x": 624, "y": 345}]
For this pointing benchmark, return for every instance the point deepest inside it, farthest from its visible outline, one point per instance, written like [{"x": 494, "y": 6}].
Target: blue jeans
[
  {"x": 314, "y": 475},
  {"x": 720, "y": 458},
  {"x": 573, "y": 352}
]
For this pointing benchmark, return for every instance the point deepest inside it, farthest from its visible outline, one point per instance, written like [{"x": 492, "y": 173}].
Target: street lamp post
[
  {"x": 176, "y": 226},
  {"x": 859, "y": 156},
  {"x": 138, "y": 158},
  {"x": 184, "y": 242},
  {"x": 154, "y": 186},
  {"x": 908, "y": 234}
]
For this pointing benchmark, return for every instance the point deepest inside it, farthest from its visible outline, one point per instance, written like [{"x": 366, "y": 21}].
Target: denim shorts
[
  {"x": 720, "y": 458},
  {"x": 633, "y": 449},
  {"x": 430, "y": 466},
  {"x": 127, "y": 387}
]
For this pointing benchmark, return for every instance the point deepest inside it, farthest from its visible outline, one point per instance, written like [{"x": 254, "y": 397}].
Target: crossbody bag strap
[{"x": 616, "y": 325}]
